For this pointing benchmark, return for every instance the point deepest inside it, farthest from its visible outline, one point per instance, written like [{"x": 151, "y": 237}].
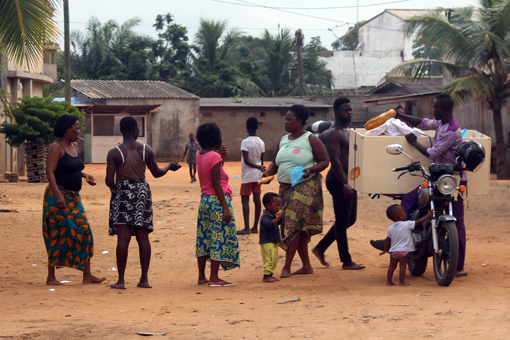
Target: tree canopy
[{"x": 221, "y": 62}]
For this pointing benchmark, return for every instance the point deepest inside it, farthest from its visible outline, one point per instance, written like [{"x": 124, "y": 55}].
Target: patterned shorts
[
  {"x": 131, "y": 204},
  {"x": 248, "y": 188}
]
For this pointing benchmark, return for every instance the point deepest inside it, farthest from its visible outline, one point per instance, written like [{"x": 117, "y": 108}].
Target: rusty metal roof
[
  {"x": 129, "y": 89},
  {"x": 285, "y": 102},
  {"x": 402, "y": 86}
]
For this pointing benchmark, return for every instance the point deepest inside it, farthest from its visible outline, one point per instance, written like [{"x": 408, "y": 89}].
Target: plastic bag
[{"x": 296, "y": 174}]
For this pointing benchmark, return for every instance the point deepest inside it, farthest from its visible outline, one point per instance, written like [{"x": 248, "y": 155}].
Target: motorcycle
[{"x": 437, "y": 237}]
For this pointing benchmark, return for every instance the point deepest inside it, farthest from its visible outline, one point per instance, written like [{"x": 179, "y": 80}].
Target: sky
[{"x": 313, "y": 17}]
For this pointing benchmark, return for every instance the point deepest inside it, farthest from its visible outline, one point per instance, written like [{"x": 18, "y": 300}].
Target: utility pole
[
  {"x": 298, "y": 41},
  {"x": 67, "y": 53}
]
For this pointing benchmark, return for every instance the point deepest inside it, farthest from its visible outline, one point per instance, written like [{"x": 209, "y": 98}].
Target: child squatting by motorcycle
[{"x": 399, "y": 241}]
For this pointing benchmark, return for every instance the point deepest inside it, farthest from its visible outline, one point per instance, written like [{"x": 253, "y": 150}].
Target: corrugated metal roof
[
  {"x": 129, "y": 89},
  {"x": 425, "y": 85},
  {"x": 404, "y": 14},
  {"x": 258, "y": 102}
]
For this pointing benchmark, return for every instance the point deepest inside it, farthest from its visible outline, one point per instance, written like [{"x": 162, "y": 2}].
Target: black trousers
[{"x": 345, "y": 216}]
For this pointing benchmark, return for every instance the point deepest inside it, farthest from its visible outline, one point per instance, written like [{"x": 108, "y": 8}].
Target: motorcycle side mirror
[{"x": 394, "y": 149}]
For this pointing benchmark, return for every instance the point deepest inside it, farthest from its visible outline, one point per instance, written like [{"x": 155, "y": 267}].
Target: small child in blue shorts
[
  {"x": 270, "y": 234},
  {"x": 399, "y": 237}
]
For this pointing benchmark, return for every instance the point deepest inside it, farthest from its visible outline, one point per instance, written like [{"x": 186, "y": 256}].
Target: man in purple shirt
[{"x": 446, "y": 142}]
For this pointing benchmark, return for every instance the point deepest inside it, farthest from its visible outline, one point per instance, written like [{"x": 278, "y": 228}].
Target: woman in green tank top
[{"x": 302, "y": 203}]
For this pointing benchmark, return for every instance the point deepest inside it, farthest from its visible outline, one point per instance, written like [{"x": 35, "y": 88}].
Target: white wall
[
  {"x": 384, "y": 33},
  {"x": 370, "y": 67}
]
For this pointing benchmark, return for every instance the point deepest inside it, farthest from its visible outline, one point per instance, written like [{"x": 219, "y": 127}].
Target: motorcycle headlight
[{"x": 446, "y": 184}]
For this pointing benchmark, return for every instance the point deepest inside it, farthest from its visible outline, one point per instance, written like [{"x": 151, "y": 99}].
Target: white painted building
[{"x": 382, "y": 46}]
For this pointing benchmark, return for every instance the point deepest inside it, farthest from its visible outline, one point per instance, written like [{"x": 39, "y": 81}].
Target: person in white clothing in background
[
  {"x": 252, "y": 167},
  {"x": 399, "y": 241}
]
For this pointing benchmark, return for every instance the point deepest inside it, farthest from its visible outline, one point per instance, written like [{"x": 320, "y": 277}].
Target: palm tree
[
  {"x": 476, "y": 49},
  {"x": 26, "y": 27},
  {"x": 277, "y": 59}
]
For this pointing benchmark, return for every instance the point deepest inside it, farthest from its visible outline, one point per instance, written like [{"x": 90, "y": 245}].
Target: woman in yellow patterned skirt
[
  {"x": 66, "y": 231},
  {"x": 303, "y": 202}
]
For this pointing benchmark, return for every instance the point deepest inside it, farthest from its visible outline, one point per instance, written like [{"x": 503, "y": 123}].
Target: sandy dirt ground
[{"x": 333, "y": 303}]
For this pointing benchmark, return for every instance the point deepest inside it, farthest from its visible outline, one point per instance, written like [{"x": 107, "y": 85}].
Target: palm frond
[
  {"x": 476, "y": 85},
  {"x": 7, "y": 102},
  {"x": 26, "y": 27},
  {"x": 417, "y": 69},
  {"x": 453, "y": 37}
]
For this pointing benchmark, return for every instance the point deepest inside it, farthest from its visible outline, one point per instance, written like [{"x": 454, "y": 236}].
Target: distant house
[
  {"x": 384, "y": 32},
  {"x": 231, "y": 113},
  {"x": 382, "y": 46},
  {"x": 22, "y": 81},
  {"x": 415, "y": 97},
  {"x": 165, "y": 114}
]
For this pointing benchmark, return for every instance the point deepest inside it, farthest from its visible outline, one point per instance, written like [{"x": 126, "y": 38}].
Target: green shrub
[{"x": 35, "y": 118}]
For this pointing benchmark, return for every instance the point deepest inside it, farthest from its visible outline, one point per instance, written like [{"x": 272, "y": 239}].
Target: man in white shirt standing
[{"x": 252, "y": 166}]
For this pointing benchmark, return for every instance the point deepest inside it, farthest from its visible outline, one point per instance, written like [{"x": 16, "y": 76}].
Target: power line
[{"x": 246, "y": 3}]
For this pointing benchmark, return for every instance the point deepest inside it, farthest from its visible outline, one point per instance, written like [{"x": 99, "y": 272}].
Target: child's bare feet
[
  {"x": 53, "y": 282},
  {"x": 404, "y": 284},
  {"x": 202, "y": 281},
  {"x": 92, "y": 279},
  {"x": 270, "y": 279},
  {"x": 390, "y": 283}
]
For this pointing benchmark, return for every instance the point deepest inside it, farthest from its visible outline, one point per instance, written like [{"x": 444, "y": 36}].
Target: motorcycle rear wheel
[
  {"x": 445, "y": 262},
  {"x": 417, "y": 266}
]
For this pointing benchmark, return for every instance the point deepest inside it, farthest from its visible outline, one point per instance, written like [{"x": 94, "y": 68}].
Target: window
[{"x": 108, "y": 125}]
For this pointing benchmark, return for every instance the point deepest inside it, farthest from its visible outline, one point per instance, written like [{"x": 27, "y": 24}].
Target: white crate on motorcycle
[{"x": 373, "y": 166}]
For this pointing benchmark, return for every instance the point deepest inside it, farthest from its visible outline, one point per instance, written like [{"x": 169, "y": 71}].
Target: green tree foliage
[
  {"x": 475, "y": 42},
  {"x": 110, "y": 51},
  {"x": 171, "y": 50},
  {"x": 26, "y": 27},
  {"x": 35, "y": 118},
  {"x": 424, "y": 49},
  {"x": 349, "y": 40}
]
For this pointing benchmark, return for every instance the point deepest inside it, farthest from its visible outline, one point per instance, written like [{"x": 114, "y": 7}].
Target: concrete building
[
  {"x": 231, "y": 113},
  {"x": 164, "y": 112},
  {"x": 19, "y": 81},
  {"x": 382, "y": 46}
]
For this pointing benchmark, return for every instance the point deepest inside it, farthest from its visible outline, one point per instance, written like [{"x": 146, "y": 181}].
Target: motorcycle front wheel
[
  {"x": 417, "y": 266},
  {"x": 445, "y": 261}
]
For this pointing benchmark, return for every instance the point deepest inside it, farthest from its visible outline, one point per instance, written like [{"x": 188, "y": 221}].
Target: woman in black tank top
[{"x": 67, "y": 233}]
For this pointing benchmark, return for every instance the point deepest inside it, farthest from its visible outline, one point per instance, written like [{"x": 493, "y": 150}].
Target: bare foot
[
  {"x": 390, "y": 283},
  {"x": 320, "y": 256},
  {"x": 143, "y": 285},
  {"x": 254, "y": 231},
  {"x": 53, "y": 282},
  {"x": 202, "y": 281},
  {"x": 270, "y": 279},
  {"x": 352, "y": 266},
  {"x": 285, "y": 273},
  {"x": 404, "y": 284},
  {"x": 303, "y": 270},
  {"x": 92, "y": 279}
]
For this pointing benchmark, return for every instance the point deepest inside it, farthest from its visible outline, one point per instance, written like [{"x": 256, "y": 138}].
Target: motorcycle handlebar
[
  {"x": 411, "y": 167},
  {"x": 402, "y": 168}
]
